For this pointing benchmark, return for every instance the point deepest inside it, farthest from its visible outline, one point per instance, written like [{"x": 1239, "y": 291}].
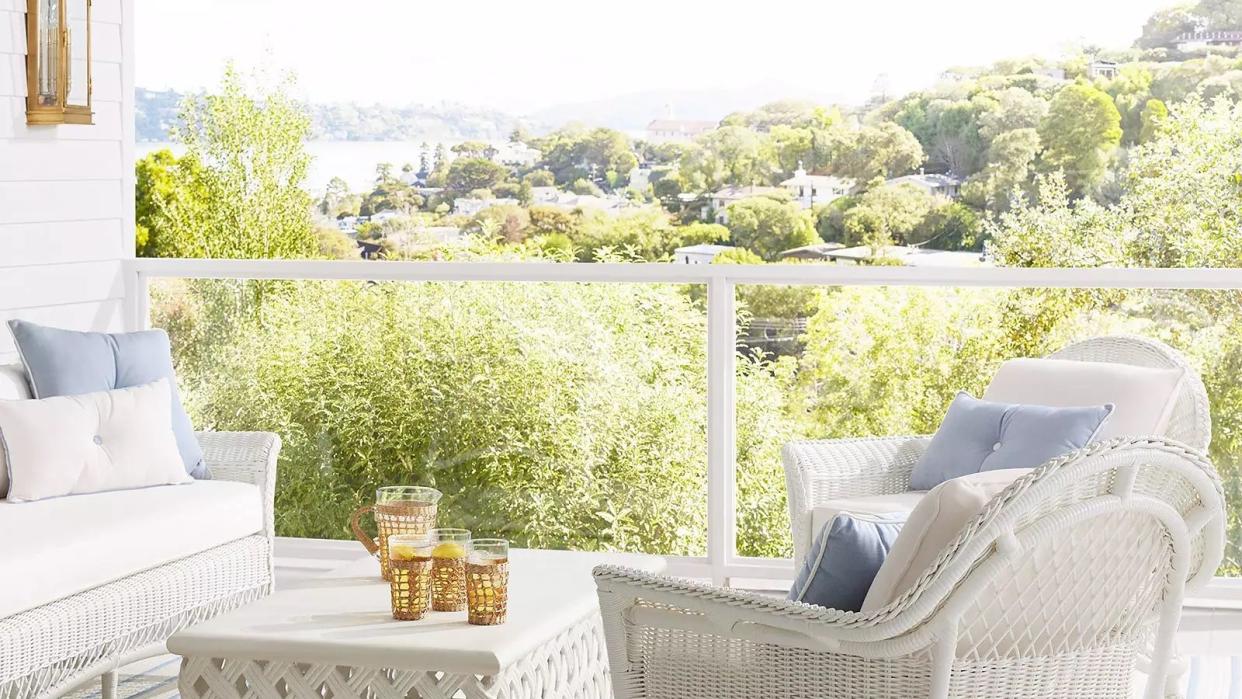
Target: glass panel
[
  {"x": 49, "y": 58},
  {"x": 553, "y": 415},
  {"x": 877, "y": 361},
  {"x": 76, "y": 89}
]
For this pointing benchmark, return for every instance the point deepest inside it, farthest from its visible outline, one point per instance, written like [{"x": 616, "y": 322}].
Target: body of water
[{"x": 352, "y": 161}]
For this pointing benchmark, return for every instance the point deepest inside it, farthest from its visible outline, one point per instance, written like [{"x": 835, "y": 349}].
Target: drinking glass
[
  {"x": 409, "y": 562},
  {"x": 448, "y": 569},
  {"x": 487, "y": 581}
]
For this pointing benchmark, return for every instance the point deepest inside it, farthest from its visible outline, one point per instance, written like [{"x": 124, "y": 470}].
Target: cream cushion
[
  {"x": 109, "y": 440},
  {"x": 13, "y": 386},
  {"x": 1143, "y": 397},
  {"x": 934, "y": 523},
  {"x": 58, "y": 547},
  {"x": 863, "y": 505}
]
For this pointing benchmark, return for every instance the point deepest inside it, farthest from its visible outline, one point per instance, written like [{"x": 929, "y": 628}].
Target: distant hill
[
  {"x": 634, "y": 111},
  {"x": 156, "y": 113}
]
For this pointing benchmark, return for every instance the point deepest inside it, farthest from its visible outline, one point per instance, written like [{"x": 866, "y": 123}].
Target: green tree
[
  {"x": 1011, "y": 159},
  {"x": 239, "y": 185},
  {"x": 884, "y": 151},
  {"x": 470, "y": 173},
  {"x": 1080, "y": 134},
  {"x": 1165, "y": 25},
  {"x": 539, "y": 178},
  {"x": 888, "y": 215},
  {"x": 1220, "y": 14},
  {"x": 730, "y": 155},
  {"x": 768, "y": 227},
  {"x": 1154, "y": 112}
]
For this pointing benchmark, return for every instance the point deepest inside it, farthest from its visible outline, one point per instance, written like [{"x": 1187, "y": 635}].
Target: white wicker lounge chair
[
  {"x": 1065, "y": 583},
  {"x": 1060, "y": 588}
]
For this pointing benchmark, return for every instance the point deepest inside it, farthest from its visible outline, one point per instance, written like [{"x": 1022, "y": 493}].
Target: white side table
[{"x": 338, "y": 635}]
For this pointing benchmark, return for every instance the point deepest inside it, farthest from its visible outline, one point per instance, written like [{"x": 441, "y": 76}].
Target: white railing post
[
  {"x": 137, "y": 306},
  {"x": 721, "y": 426}
]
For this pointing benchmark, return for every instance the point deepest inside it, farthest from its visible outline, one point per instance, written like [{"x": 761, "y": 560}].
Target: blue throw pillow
[
  {"x": 67, "y": 363},
  {"x": 843, "y": 561},
  {"x": 979, "y": 435}
]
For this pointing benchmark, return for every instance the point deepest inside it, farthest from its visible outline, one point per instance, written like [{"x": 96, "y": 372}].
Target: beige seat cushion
[
  {"x": 934, "y": 523},
  {"x": 864, "y": 505},
  {"x": 1143, "y": 397},
  {"x": 55, "y": 548}
]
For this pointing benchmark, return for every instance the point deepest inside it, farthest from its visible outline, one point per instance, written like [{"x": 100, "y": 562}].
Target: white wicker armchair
[
  {"x": 819, "y": 471},
  {"x": 48, "y": 650},
  {"x": 1065, "y": 583}
]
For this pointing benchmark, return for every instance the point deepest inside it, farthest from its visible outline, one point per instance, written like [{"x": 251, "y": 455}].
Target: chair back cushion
[
  {"x": 13, "y": 386},
  {"x": 844, "y": 559},
  {"x": 933, "y": 525},
  {"x": 112, "y": 440},
  {"x": 67, "y": 362},
  {"x": 1143, "y": 397},
  {"x": 980, "y": 435}
]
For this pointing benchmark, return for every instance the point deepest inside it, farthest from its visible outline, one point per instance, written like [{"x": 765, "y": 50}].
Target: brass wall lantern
[{"x": 58, "y": 62}]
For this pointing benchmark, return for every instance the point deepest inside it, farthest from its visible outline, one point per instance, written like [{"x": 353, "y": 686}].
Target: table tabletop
[{"x": 344, "y": 618}]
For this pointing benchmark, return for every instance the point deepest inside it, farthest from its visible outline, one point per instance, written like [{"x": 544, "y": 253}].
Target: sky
[{"x": 522, "y": 57}]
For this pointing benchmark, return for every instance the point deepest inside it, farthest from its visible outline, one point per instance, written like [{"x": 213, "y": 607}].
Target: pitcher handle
[{"x": 363, "y": 537}]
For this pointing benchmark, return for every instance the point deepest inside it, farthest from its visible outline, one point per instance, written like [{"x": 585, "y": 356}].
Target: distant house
[
  {"x": 818, "y": 251},
  {"x": 718, "y": 202},
  {"x": 909, "y": 256},
  {"x": 809, "y": 190},
  {"x": 517, "y": 154},
  {"x": 640, "y": 178},
  {"x": 701, "y": 254},
  {"x": 1191, "y": 41},
  {"x": 382, "y": 216},
  {"x": 935, "y": 185},
  {"x": 677, "y": 130},
  {"x": 469, "y": 206},
  {"x": 1102, "y": 69},
  {"x": 568, "y": 201}
]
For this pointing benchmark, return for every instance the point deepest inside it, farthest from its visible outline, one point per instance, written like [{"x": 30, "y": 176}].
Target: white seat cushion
[
  {"x": 937, "y": 520},
  {"x": 864, "y": 505},
  {"x": 54, "y": 548},
  {"x": 1143, "y": 397}
]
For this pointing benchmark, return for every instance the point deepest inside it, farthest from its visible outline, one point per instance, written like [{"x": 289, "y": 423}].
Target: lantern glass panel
[
  {"x": 47, "y": 79},
  {"x": 76, "y": 19}
]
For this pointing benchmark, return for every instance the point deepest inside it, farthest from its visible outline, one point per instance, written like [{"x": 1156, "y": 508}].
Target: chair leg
[{"x": 107, "y": 685}]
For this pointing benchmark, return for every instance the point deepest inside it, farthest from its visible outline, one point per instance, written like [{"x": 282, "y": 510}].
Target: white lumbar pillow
[
  {"x": 935, "y": 522},
  {"x": 1143, "y": 398},
  {"x": 110, "y": 440}
]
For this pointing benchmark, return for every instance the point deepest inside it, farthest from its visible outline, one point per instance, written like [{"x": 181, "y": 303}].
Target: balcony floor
[{"x": 1213, "y": 638}]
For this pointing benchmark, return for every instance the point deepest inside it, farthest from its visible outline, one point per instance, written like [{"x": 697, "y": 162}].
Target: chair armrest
[
  {"x": 817, "y": 471},
  {"x": 245, "y": 457}
]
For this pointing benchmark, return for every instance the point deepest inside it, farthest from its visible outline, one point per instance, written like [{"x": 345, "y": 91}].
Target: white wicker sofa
[
  {"x": 90, "y": 582},
  {"x": 1067, "y": 582}
]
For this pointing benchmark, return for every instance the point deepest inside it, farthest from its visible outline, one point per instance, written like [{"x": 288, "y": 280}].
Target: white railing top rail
[{"x": 808, "y": 274}]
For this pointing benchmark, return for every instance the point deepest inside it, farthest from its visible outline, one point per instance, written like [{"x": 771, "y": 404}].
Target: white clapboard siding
[{"x": 66, "y": 191}]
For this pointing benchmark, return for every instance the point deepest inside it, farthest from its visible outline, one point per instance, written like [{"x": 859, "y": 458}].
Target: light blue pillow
[
  {"x": 67, "y": 363},
  {"x": 839, "y": 568},
  {"x": 979, "y": 435}
]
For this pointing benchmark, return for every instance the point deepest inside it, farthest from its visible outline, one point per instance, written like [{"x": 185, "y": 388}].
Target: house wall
[{"x": 67, "y": 191}]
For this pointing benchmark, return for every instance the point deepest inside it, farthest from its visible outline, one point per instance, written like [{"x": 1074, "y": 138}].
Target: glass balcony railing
[{"x": 628, "y": 406}]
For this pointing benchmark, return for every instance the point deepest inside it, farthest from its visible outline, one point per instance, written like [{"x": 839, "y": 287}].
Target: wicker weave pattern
[
  {"x": 448, "y": 584},
  {"x": 410, "y": 587},
  {"x": 50, "y": 648},
  {"x": 570, "y": 666},
  {"x": 1053, "y": 590},
  {"x": 487, "y": 593}
]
